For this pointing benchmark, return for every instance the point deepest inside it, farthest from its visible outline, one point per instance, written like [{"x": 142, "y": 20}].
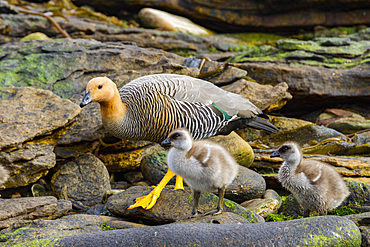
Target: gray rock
[
  {"x": 224, "y": 218},
  {"x": 45, "y": 232},
  {"x": 29, "y": 208},
  {"x": 246, "y": 185},
  {"x": 265, "y": 97},
  {"x": 121, "y": 224},
  {"x": 171, "y": 206},
  {"x": 83, "y": 181},
  {"x": 315, "y": 231}
]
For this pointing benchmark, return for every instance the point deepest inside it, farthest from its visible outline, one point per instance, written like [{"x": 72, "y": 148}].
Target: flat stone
[
  {"x": 265, "y": 97},
  {"x": 45, "y": 232},
  {"x": 27, "y": 165},
  {"x": 30, "y": 112},
  {"x": 224, "y": 218},
  {"x": 29, "y": 208},
  {"x": 171, "y": 206},
  {"x": 314, "y": 231},
  {"x": 83, "y": 182}
]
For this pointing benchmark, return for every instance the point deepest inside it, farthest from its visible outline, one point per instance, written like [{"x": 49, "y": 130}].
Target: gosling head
[
  {"x": 180, "y": 139},
  {"x": 99, "y": 89},
  {"x": 288, "y": 151}
]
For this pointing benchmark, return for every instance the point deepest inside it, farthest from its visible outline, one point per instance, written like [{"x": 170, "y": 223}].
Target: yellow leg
[
  {"x": 179, "y": 185},
  {"x": 148, "y": 201}
]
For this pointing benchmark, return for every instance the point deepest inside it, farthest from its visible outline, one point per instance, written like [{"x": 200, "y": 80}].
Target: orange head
[{"x": 99, "y": 89}]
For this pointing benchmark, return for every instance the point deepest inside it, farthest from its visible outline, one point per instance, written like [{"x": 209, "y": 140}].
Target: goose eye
[
  {"x": 100, "y": 86},
  {"x": 175, "y": 135},
  {"x": 284, "y": 149}
]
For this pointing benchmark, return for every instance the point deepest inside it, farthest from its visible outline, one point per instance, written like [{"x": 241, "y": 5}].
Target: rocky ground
[{"x": 71, "y": 182}]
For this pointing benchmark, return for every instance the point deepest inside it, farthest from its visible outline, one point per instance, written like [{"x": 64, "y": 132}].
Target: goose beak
[
  {"x": 275, "y": 154},
  {"x": 86, "y": 99},
  {"x": 166, "y": 143}
]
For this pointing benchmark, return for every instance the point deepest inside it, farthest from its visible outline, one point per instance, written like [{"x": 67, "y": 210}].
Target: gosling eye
[
  {"x": 284, "y": 149},
  {"x": 100, "y": 86},
  {"x": 175, "y": 135}
]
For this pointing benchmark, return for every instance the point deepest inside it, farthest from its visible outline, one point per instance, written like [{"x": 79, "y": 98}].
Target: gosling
[
  {"x": 204, "y": 165},
  {"x": 314, "y": 184}
]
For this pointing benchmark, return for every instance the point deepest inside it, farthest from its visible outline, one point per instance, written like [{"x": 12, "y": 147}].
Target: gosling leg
[{"x": 219, "y": 210}]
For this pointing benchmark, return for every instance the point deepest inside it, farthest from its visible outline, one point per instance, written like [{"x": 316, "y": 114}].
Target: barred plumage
[{"x": 157, "y": 104}]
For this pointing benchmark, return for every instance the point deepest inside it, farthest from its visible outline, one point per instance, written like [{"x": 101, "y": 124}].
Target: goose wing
[{"x": 189, "y": 89}]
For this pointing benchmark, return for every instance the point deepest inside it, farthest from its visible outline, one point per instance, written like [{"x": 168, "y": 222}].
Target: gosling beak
[
  {"x": 86, "y": 99},
  {"x": 275, "y": 154},
  {"x": 166, "y": 143}
]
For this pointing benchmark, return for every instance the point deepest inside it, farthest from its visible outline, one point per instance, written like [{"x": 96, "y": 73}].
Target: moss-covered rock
[{"x": 172, "y": 205}]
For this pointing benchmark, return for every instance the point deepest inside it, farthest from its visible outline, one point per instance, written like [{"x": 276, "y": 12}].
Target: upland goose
[
  {"x": 316, "y": 185},
  {"x": 205, "y": 166},
  {"x": 150, "y": 107}
]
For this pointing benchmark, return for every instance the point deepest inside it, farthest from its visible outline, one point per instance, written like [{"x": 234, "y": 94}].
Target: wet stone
[
  {"x": 83, "y": 182},
  {"x": 171, "y": 206}
]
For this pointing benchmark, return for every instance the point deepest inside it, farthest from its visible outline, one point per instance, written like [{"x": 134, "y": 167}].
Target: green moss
[
  {"x": 343, "y": 211},
  {"x": 39, "y": 243},
  {"x": 105, "y": 227},
  {"x": 279, "y": 217},
  {"x": 256, "y": 39},
  {"x": 190, "y": 199}
]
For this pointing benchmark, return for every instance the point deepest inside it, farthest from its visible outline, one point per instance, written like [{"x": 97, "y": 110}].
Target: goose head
[
  {"x": 99, "y": 89},
  {"x": 289, "y": 152},
  {"x": 180, "y": 139}
]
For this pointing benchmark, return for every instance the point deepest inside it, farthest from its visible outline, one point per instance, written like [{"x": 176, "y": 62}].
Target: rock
[
  {"x": 289, "y": 130},
  {"x": 237, "y": 147},
  {"x": 133, "y": 176},
  {"x": 344, "y": 121},
  {"x": 27, "y": 165},
  {"x": 29, "y": 208},
  {"x": 266, "y": 97},
  {"x": 85, "y": 28},
  {"x": 312, "y": 86},
  {"x": 154, "y": 167},
  {"x": 33, "y": 121},
  {"x": 57, "y": 64},
  {"x": 35, "y": 36},
  {"x": 154, "y": 18},
  {"x": 83, "y": 182},
  {"x": 171, "y": 206},
  {"x": 121, "y": 224},
  {"x": 346, "y": 166},
  {"x": 126, "y": 156},
  {"x": 45, "y": 232},
  {"x": 251, "y": 15},
  {"x": 262, "y": 207},
  {"x": 246, "y": 185},
  {"x": 29, "y": 112},
  {"x": 224, "y": 218},
  {"x": 315, "y": 231}
]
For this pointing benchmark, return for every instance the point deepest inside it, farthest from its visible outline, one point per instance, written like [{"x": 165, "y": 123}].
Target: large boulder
[
  {"x": 250, "y": 15},
  {"x": 316, "y": 231}
]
